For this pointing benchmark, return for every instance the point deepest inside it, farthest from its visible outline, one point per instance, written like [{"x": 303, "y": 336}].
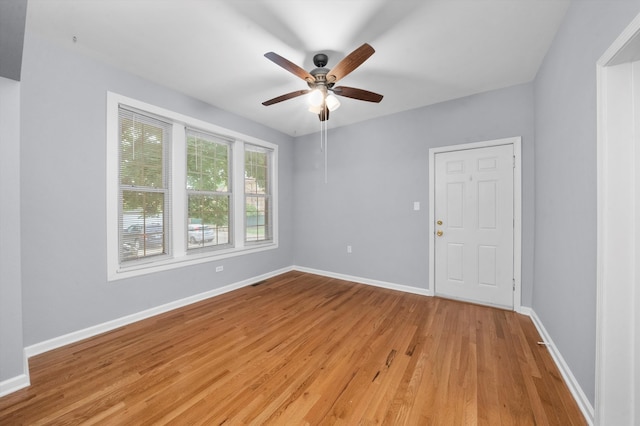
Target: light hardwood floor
[{"x": 303, "y": 349}]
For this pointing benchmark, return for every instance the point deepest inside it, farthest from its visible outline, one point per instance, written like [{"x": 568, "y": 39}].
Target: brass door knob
[{"x": 439, "y": 233}]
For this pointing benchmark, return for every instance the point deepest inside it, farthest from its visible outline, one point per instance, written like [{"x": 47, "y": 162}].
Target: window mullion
[
  {"x": 179, "y": 183},
  {"x": 238, "y": 195}
]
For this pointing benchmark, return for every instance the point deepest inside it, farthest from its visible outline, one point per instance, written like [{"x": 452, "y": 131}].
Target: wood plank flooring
[{"x": 303, "y": 349}]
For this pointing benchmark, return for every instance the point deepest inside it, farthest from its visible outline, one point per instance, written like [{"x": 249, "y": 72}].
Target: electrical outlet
[
  {"x": 219, "y": 268},
  {"x": 348, "y": 249}
]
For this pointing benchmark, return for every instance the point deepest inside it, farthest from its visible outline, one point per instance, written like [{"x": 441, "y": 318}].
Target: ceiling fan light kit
[
  {"x": 332, "y": 102},
  {"x": 316, "y": 109},
  {"x": 316, "y": 97},
  {"x": 321, "y": 81}
]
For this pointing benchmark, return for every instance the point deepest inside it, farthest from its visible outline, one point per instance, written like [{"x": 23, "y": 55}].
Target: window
[
  {"x": 257, "y": 191},
  {"x": 144, "y": 190},
  {"x": 182, "y": 191},
  {"x": 209, "y": 190}
]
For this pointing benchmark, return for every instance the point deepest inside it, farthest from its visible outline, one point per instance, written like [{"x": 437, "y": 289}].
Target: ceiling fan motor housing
[
  {"x": 320, "y": 60},
  {"x": 320, "y": 76},
  {"x": 320, "y": 73}
]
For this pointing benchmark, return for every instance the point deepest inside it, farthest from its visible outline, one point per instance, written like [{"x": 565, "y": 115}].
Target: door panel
[
  {"x": 487, "y": 205},
  {"x": 455, "y": 261},
  {"x": 474, "y": 243},
  {"x": 455, "y": 205}
]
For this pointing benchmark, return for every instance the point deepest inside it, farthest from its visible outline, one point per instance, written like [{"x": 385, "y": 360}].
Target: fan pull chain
[{"x": 324, "y": 146}]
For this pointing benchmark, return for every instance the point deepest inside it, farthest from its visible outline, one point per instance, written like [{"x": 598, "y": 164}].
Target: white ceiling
[{"x": 427, "y": 51}]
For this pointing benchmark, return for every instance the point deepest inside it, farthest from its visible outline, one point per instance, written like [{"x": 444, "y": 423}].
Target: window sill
[{"x": 188, "y": 259}]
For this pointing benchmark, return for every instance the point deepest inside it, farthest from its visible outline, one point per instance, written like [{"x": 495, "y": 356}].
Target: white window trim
[{"x": 180, "y": 257}]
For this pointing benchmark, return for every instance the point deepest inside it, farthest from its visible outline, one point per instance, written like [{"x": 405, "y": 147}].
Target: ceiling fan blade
[
  {"x": 289, "y": 66},
  {"x": 285, "y": 97},
  {"x": 350, "y": 62},
  {"x": 360, "y": 94}
]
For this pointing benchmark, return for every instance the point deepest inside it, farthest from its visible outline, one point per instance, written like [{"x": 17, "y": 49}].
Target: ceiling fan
[{"x": 321, "y": 81}]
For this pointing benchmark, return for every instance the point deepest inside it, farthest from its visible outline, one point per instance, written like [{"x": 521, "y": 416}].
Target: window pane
[
  {"x": 257, "y": 219},
  {"x": 256, "y": 172},
  {"x": 208, "y": 220},
  {"x": 142, "y": 232},
  {"x": 207, "y": 164},
  {"x": 141, "y": 154}
]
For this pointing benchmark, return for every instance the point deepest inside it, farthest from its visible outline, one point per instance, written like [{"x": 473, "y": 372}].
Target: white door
[{"x": 474, "y": 225}]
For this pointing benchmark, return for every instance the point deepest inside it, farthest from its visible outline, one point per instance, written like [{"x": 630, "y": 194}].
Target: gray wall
[
  {"x": 12, "y": 21},
  {"x": 564, "y": 294},
  {"x": 377, "y": 169},
  {"x": 11, "y": 344},
  {"x": 63, "y": 172}
]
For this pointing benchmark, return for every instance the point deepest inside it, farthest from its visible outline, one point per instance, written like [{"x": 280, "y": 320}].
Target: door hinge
[
  {"x": 514, "y": 161},
  {"x": 514, "y": 284}
]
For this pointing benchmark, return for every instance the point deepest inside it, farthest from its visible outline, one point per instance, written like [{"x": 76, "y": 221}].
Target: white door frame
[
  {"x": 617, "y": 372},
  {"x": 517, "y": 209}
]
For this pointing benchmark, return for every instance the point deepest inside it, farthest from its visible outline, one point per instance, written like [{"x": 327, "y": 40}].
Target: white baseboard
[
  {"x": 18, "y": 382},
  {"x": 76, "y": 336},
  {"x": 360, "y": 280},
  {"x": 14, "y": 384},
  {"x": 565, "y": 371}
]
